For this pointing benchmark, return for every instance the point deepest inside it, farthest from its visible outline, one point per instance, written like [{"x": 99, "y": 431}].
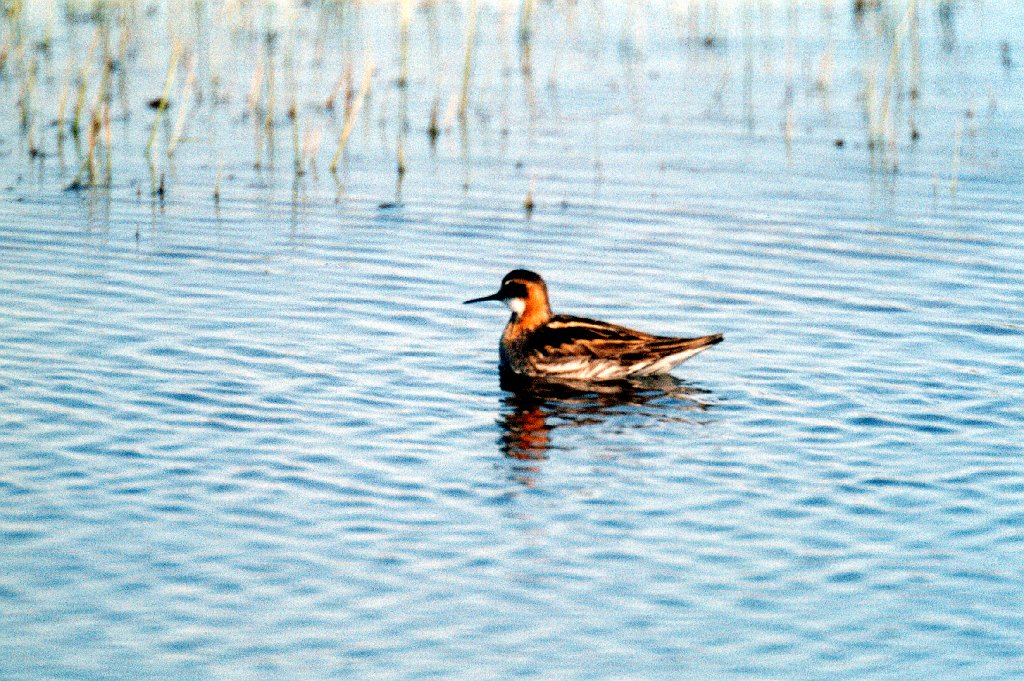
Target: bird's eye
[{"x": 515, "y": 289}]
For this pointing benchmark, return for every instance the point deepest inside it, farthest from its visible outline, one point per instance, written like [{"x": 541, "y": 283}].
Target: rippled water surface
[{"x": 259, "y": 436}]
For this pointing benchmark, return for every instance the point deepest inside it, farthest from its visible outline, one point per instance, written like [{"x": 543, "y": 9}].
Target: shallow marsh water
[{"x": 260, "y": 436}]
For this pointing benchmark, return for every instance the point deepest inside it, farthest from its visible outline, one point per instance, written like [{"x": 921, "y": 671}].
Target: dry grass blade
[
  {"x": 353, "y": 113},
  {"x": 161, "y": 107}
]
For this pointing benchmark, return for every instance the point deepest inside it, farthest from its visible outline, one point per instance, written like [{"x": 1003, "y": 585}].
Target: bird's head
[{"x": 523, "y": 291}]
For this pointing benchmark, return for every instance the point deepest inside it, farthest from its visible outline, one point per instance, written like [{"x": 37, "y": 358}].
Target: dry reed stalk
[
  {"x": 172, "y": 68},
  {"x": 293, "y": 116},
  {"x": 353, "y": 112},
  {"x": 467, "y": 62},
  {"x": 94, "y": 136},
  {"x": 451, "y": 112},
  {"x": 886, "y": 129},
  {"x": 870, "y": 108},
  {"x": 25, "y": 100},
  {"x": 526, "y": 20},
  {"x": 186, "y": 100},
  {"x": 433, "y": 131},
  {"x": 344, "y": 81},
  {"x": 83, "y": 86},
  {"x": 311, "y": 142},
  {"x": 62, "y": 110},
  {"x": 99, "y": 122},
  {"x": 405, "y": 20},
  {"x": 108, "y": 140},
  {"x": 268, "y": 114},
  {"x": 255, "y": 87}
]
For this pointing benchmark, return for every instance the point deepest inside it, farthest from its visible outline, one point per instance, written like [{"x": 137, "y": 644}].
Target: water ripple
[{"x": 263, "y": 438}]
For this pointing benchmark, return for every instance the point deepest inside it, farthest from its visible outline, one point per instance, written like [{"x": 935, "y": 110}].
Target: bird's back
[{"x": 589, "y": 349}]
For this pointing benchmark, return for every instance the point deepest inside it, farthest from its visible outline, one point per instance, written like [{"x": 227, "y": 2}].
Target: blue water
[{"x": 260, "y": 436}]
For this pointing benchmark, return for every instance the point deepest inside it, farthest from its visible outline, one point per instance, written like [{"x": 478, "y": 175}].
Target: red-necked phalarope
[{"x": 537, "y": 343}]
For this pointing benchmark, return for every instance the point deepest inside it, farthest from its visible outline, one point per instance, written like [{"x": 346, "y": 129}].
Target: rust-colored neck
[
  {"x": 528, "y": 313},
  {"x": 537, "y": 310}
]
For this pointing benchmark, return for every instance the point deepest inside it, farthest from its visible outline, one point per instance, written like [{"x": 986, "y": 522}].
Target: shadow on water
[{"x": 532, "y": 410}]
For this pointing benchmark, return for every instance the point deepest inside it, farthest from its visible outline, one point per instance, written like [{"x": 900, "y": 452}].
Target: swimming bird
[{"x": 537, "y": 343}]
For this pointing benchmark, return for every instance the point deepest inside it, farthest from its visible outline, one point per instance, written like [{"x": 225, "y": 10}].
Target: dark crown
[{"x": 522, "y": 275}]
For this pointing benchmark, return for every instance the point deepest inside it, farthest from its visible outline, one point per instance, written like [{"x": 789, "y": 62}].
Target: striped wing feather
[{"x": 569, "y": 344}]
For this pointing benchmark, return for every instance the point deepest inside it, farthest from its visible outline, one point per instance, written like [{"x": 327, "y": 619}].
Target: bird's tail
[
  {"x": 673, "y": 351},
  {"x": 671, "y": 346}
]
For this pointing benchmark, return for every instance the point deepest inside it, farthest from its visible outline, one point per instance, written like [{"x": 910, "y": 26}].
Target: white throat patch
[{"x": 517, "y": 305}]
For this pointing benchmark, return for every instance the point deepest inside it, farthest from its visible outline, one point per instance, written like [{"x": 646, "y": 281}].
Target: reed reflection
[{"x": 532, "y": 409}]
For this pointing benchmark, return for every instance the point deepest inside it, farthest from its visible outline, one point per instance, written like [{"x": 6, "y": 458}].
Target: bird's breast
[{"x": 512, "y": 348}]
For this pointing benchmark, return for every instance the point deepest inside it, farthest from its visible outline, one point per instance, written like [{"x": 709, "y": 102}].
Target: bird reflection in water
[{"x": 532, "y": 409}]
